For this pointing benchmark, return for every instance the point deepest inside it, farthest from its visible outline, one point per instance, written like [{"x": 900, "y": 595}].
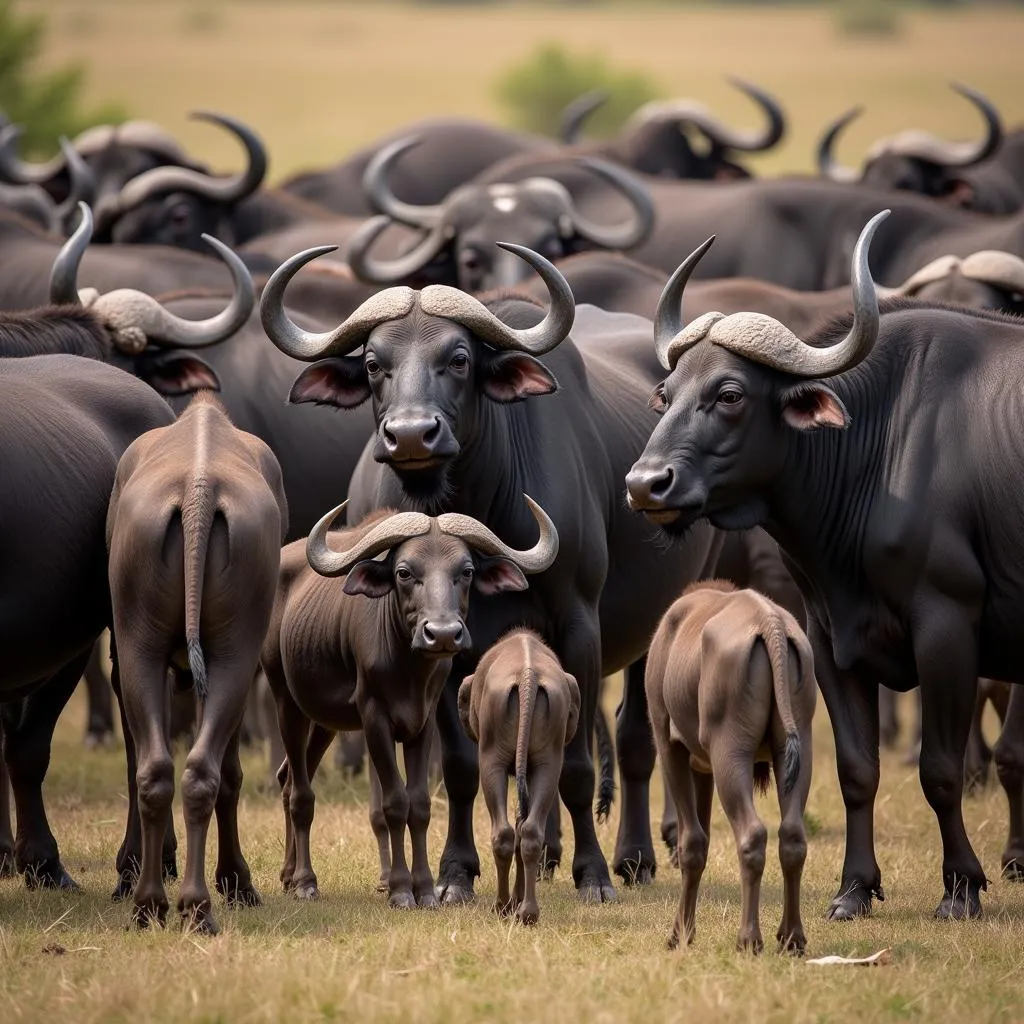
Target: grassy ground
[
  {"x": 349, "y": 958},
  {"x": 318, "y": 79}
]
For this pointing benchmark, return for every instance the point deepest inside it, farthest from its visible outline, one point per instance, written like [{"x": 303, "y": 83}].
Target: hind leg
[
  {"x": 543, "y": 787},
  {"x": 232, "y": 875},
  {"x": 692, "y": 849},
  {"x": 494, "y": 783},
  {"x": 793, "y": 845},
  {"x": 380, "y": 829},
  {"x": 99, "y": 726},
  {"x": 1009, "y": 758},
  {"x": 7, "y": 869}
]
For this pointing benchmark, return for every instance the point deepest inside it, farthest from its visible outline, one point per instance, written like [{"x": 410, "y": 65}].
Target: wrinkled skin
[{"x": 898, "y": 589}]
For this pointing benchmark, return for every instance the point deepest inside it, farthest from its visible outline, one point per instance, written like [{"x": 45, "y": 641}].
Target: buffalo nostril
[
  {"x": 431, "y": 436},
  {"x": 389, "y": 438},
  {"x": 661, "y": 484}
]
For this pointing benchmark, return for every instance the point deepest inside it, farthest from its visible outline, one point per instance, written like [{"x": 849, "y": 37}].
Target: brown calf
[
  {"x": 336, "y": 662},
  {"x": 731, "y": 690},
  {"x": 194, "y": 532},
  {"x": 525, "y": 738}
]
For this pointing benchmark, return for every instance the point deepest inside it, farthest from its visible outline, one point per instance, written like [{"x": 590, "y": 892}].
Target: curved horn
[
  {"x": 619, "y": 236},
  {"x": 764, "y": 340},
  {"x": 382, "y": 536},
  {"x": 441, "y": 300},
  {"x": 827, "y": 165},
  {"x": 536, "y": 559},
  {"x": 16, "y": 170},
  {"x": 668, "y": 318},
  {"x": 376, "y": 187},
  {"x": 1002, "y": 269},
  {"x": 377, "y": 271},
  {"x": 185, "y": 179},
  {"x": 570, "y": 125},
  {"x": 64, "y": 274},
  {"x": 83, "y": 184}
]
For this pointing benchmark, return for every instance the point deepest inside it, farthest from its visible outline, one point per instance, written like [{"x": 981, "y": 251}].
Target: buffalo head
[
  {"x": 460, "y": 234},
  {"x": 917, "y": 161},
  {"x": 432, "y": 361},
  {"x": 431, "y": 565},
  {"x": 737, "y": 387},
  {"x": 989, "y": 279}
]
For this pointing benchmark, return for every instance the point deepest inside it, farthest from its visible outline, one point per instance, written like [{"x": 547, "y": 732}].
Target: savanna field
[{"x": 317, "y": 80}]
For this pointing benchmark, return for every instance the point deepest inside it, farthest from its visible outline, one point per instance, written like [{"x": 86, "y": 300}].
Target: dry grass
[
  {"x": 318, "y": 79},
  {"x": 350, "y": 958}
]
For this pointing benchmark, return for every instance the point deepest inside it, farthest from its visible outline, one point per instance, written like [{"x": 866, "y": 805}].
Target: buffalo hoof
[
  {"x": 427, "y": 900},
  {"x": 527, "y": 915},
  {"x": 634, "y": 872},
  {"x": 402, "y": 899},
  {"x": 504, "y": 909},
  {"x": 125, "y": 886},
  {"x": 199, "y": 921},
  {"x": 149, "y": 915},
  {"x": 383, "y": 885},
  {"x": 964, "y": 904},
  {"x": 7, "y": 868},
  {"x": 50, "y": 876},
  {"x": 852, "y": 902},
  {"x": 1013, "y": 867},
  {"x": 794, "y": 945},
  {"x": 307, "y": 891},
  {"x": 239, "y": 895},
  {"x": 454, "y": 894},
  {"x": 750, "y": 943},
  {"x": 597, "y": 892}
]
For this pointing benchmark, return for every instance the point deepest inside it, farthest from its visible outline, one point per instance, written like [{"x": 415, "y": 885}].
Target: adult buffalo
[
  {"x": 888, "y": 495},
  {"x": 678, "y": 138},
  {"x": 460, "y": 234},
  {"x": 961, "y": 173},
  {"x": 451, "y": 380}
]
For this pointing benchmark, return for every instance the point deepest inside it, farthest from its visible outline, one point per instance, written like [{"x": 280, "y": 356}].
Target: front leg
[
  {"x": 417, "y": 774},
  {"x": 7, "y": 869},
  {"x": 852, "y": 703},
  {"x": 945, "y": 652},
  {"x": 1009, "y": 758},
  {"x": 380, "y": 745},
  {"x": 579, "y": 648}
]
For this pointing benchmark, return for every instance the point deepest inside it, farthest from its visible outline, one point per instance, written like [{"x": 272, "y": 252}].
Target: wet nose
[
  {"x": 412, "y": 437},
  {"x": 443, "y": 636},
  {"x": 648, "y": 486}
]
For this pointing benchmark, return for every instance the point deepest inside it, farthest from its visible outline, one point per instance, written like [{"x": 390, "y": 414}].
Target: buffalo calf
[
  {"x": 731, "y": 690},
  {"x": 525, "y": 737},
  {"x": 194, "y": 532}
]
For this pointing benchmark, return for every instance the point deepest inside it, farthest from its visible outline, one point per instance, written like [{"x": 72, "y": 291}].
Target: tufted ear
[
  {"x": 466, "y": 715},
  {"x": 574, "y": 707},
  {"x": 370, "y": 578},
  {"x": 514, "y": 376},
  {"x": 339, "y": 381},
  {"x": 176, "y": 372},
  {"x": 810, "y": 405}
]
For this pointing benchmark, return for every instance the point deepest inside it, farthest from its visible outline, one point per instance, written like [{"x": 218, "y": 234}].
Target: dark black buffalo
[
  {"x": 36, "y": 205},
  {"x": 678, "y": 138},
  {"x": 961, "y": 173},
  {"x": 878, "y": 456},
  {"x": 460, "y": 234},
  {"x": 451, "y": 380}
]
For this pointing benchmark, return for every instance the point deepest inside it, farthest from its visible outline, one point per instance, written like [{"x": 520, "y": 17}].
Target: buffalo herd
[{"x": 589, "y": 389}]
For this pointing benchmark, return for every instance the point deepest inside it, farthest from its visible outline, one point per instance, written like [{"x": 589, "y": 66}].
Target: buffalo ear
[
  {"x": 177, "y": 373},
  {"x": 370, "y": 578},
  {"x": 960, "y": 192},
  {"x": 339, "y": 381},
  {"x": 466, "y": 714},
  {"x": 498, "y": 575},
  {"x": 810, "y": 405},
  {"x": 514, "y": 376}
]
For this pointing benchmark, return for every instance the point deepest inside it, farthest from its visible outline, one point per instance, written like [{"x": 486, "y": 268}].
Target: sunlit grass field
[
  {"x": 319, "y": 78},
  {"x": 349, "y": 958}
]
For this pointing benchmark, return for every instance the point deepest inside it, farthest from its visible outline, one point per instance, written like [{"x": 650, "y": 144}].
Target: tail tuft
[
  {"x": 762, "y": 777},
  {"x": 792, "y": 761},
  {"x": 606, "y": 766},
  {"x": 197, "y": 663}
]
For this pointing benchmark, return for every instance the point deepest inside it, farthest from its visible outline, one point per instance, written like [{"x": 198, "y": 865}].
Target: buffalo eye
[
  {"x": 730, "y": 397},
  {"x": 459, "y": 362},
  {"x": 372, "y": 366},
  {"x": 658, "y": 402},
  {"x": 469, "y": 259},
  {"x": 467, "y": 573},
  {"x": 403, "y": 574}
]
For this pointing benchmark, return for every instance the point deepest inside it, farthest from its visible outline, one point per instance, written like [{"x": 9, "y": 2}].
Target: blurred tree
[
  {"x": 537, "y": 90},
  {"x": 45, "y": 104}
]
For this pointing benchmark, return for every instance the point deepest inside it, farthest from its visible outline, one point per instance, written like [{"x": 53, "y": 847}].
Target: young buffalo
[
  {"x": 343, "y": 663},
  {"x": 194, "y": 532},
  {"x": 525, "y": 738},
  {"x": 731, "y": 690}
]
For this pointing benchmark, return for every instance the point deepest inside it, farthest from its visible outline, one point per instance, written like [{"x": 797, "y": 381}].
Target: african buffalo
[
  {"x": 888, "y": 495},
  {"x": 450, "y": 379}
]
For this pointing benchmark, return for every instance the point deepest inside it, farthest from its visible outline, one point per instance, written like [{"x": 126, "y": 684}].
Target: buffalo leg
[
  {"x": 417, "y": 773},
  {"x": 379, "y": 825},
  {"x": 146, "y": 700},
  {"x": 888, "y": 718},
  {"x": 234, "y": 880},
  {"x": 793, "y": 844},
  {"x": 580, "y": 654},
  {"x": 543, "y": 788},
  {"x": 7, "y": 868},
  {"x": 380, "y": 744},
  {"x": 460, "y": 863},
  {"x": 349, "y": 753},
  {"x": 494, "y": 783},
  {"x": 693, "y": 839},
  {"x": 129, "y": 856},
  {"x": 852, "y": 704},
  {"x": 946, "y": 659},
  {"x": 28, "y": 733},
  {"x": 99, "y": 728},
  {"x": 1009, "y": 758},
  {"x": 634, "y": 743},
  {"x": 299, "y": 798},
  {"x": 978, "y": 758}
]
